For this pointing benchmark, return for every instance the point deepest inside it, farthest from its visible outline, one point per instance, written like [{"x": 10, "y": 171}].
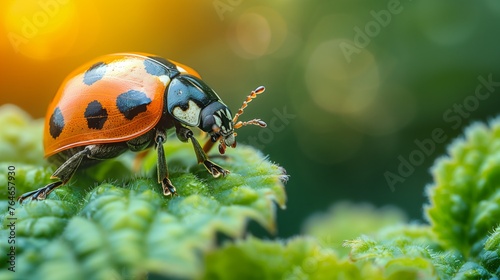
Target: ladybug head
[
  {"x": 193, "y": 103},
  {"x": 222, "y": 125},
  {"x": 217, "y": 120}
]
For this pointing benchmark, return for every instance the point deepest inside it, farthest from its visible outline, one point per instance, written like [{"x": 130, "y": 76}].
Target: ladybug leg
[
  {"x": 63, "y": 173},
  {"x": 168, "y": 187},
  {"x": 184, "y": 134},
  {"x": 41, "y": 193},
  {"x": 208, "y": 145}
]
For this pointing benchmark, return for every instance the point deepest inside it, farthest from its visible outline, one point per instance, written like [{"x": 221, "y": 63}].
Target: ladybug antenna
[
  {"x": 250, "y": 97},
  {"x": 237, "y": 124}
]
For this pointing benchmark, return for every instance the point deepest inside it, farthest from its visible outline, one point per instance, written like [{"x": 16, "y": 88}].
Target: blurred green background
[{"x": 356, "y": 90}]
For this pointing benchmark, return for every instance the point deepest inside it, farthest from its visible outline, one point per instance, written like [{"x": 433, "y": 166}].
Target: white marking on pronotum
[
  {"x": 191, "y": 116},
  {"x": 181, "y": 69},
  {"x": 164, "y": 79},
  {"x": 218, "y": 121}
]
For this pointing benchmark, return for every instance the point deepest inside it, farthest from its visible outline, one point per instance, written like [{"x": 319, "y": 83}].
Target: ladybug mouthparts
[
  {"x": 230, "y": 140},
  {"x": 226, "y": 141},
  {"x": 223, "y": 129},
  {"x": 216, "y": 119}
]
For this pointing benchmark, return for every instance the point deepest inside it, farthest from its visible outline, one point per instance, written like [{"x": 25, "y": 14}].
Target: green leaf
[
  {"x": 124, "y": 227},
  {"x": 465, "y": 196},
  {"x": 336, "y": 225},
  {"x": 20, "y": 136},
  {"x": 298, "y": 258},
  {"x": 112, "y": 222},
  {"x": 389, "y": 247},
  {"x": 402, "y": 258},
  {"x": 490, "y": 256}
]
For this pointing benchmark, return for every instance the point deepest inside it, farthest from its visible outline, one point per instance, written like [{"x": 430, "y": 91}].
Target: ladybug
[{"x": 127, "y": 101}]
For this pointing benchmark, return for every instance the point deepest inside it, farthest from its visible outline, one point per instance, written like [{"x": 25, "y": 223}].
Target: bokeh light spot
[
  {"x": 257, "y": 32},
  {"x": 253, "y": 34},
  {"x": 338, "y": 86},
  {"x": 387, "y": 114}
]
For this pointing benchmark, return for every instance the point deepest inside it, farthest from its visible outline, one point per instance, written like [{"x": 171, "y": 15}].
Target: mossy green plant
[
  {"x": 464, "y": 202},
  {"x": 124, "y": 228},
  {"x": 460, "y": 241},
  {"x": 297, "y": 258},
  {"x": 113, "y": 223}
]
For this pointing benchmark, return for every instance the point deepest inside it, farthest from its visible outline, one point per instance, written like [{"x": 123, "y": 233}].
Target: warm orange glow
[
  {"x": 42, "y": 29},
  {"x": 42, "y": 41}
]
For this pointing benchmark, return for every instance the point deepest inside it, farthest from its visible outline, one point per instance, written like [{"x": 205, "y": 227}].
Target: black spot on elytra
[
  {"x": 56, "y": 123},
  {"x": 158, "y": 66},
  {"x": 96, "y": 115},
  {"x": 132, "y": 103},
  {"x": 94, "y": 73}
]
